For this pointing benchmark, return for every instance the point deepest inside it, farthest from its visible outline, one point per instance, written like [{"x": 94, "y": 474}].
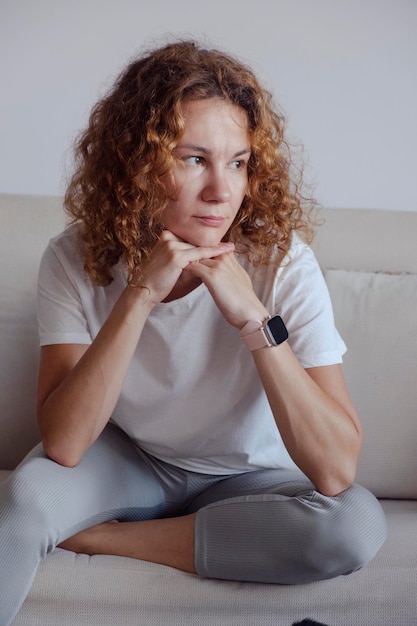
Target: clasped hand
[{"x": 216, "y": 266}]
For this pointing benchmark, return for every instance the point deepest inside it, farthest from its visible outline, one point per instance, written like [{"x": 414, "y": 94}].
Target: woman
[{"x": 190, "y": 385}]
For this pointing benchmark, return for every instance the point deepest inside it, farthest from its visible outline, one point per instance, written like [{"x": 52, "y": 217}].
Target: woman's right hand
[
  {"x": 168, "y": 260},
  {"x": 79, "y": 385}
]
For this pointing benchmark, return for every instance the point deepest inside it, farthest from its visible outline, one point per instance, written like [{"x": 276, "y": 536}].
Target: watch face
[{"x": 276, "y": 330}]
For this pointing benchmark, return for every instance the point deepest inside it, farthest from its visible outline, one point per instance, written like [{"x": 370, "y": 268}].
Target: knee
[
  {"x": 367, "y": 526},
  {"x": 353, "y": 532},
  {"x": 27, "y": 496},
  {"x": 27, "y": 509}
]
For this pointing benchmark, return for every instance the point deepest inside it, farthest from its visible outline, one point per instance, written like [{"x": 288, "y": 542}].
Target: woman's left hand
[{"x": 230, "y": 287}]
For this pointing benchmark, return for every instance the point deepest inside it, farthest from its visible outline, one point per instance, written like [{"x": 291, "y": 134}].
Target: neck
[{"x": 184, "y": 285}]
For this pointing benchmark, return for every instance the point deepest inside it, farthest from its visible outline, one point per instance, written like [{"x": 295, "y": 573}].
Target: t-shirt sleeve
[
  {"x": 303, "y": 301},
  {"x": 61, "y": 318}
]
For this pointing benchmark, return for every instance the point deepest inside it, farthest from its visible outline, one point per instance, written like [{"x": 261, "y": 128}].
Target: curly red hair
[{"x": 124, "y": 157}]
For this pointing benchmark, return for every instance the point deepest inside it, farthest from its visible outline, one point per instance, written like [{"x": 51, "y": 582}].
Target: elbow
[
  {"x": 343, "y": 473},
  {"x": 59, "y": 453},
  {"x": 334, "y": 486},
  {"x": 63, "y": 460},
  {"x": 338, "y": 480},
  {"x": 57, "y": 444}
]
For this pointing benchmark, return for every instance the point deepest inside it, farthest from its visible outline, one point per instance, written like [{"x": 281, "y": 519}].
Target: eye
[
  {"x": 194, "y": 160},
  {"x": 238, "y": 164}
]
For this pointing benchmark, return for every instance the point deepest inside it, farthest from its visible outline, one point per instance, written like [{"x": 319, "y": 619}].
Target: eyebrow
[{"x": 203, "y": 150}]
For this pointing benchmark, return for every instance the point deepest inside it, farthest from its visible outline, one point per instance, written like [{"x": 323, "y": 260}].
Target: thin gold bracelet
[{"x": 132, "y": 284}]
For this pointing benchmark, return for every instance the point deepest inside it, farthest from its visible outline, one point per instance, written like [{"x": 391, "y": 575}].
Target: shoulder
[
  {"x": 298, "y": 259},
  {"x": 67, "y": 243},
  {"x": 63, "y": 258}
]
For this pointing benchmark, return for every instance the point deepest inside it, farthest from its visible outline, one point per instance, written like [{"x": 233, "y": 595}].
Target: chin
[
  {"x": 202, "y": 241},
  {"x": 207, "y": 242}
]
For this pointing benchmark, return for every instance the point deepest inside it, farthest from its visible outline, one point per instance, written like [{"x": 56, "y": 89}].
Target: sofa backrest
[
  {"x": 26, "y": 225},
  {"x": 369, "y": 259}
]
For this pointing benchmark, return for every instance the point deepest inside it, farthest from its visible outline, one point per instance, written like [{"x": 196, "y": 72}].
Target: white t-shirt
[{"x": 192, "y": 396}]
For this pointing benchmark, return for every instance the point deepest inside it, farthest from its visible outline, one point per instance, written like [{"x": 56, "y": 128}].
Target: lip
[{"x": 211, "y": 220}]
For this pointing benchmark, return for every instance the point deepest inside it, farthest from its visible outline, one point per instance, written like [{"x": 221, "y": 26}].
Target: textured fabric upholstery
[{"x": 370, "y": 263}]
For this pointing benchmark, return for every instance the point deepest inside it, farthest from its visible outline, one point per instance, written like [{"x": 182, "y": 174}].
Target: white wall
[{"x": 344, "y": 70}]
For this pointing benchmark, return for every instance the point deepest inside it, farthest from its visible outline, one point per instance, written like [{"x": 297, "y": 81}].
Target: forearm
[
  {"x": 312, "y": 409},
  {"x": 321, "y": 436},
  {"x": 75, "y": 412}
]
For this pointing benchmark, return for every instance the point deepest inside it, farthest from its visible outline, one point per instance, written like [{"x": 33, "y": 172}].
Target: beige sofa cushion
[
  {"x": 376, "y": 314},
  {"x": 26, "y": 225}
]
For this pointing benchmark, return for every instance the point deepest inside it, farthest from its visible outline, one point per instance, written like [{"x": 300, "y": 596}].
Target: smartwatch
[{"x": 257, "y": 334}]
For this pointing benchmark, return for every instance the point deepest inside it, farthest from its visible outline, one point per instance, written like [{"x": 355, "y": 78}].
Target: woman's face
[{"x": 211, "y": 172}]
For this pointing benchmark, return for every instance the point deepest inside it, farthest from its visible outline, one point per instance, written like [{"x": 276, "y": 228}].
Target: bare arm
[
  {"x": 79, "y": 386},
  {"x": 312, "y": 408},
  {"x": 315, "y": 417}
]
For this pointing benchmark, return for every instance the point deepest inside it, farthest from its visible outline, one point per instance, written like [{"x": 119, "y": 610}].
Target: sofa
[{"x": 369, "y": 259}]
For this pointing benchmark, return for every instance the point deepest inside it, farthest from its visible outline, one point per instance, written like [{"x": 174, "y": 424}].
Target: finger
[
  {"x": 203, "y": 267},
  {"x": 211, "y": 252},
  {"x": 214, "y": 259},
  {"x": 183, "y": 253},
  {"x": 167, "y": 235}
]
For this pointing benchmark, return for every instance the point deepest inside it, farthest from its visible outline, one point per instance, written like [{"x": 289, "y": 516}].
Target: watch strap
[{"x": 256, "y": 336}]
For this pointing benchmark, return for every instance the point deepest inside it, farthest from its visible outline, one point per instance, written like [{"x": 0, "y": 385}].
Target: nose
[{"x": 216, "y": 188}]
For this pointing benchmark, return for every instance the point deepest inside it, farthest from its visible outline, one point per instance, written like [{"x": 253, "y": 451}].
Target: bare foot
[{"x": 167, "y": 541}]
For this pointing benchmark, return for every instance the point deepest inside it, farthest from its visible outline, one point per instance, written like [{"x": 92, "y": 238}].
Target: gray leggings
[{"x": 265, "y": 526}]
